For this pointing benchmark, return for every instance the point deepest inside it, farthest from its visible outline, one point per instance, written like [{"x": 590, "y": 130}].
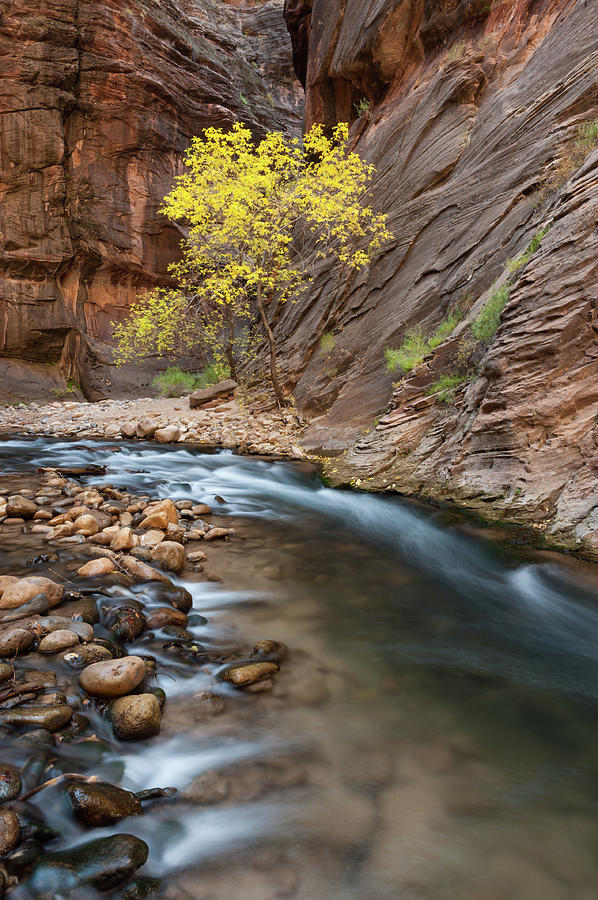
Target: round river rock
[
  {"x": 113, "y": 678},
  {"x": 137, "y": 717}
]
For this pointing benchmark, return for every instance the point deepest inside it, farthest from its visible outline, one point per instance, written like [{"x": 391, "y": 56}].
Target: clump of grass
[
  {"x": 518, "y": 262},
  {"x": 445, "y": 387},
  {"x": 327, "y": 343},
  {"x": 585, "y": 141},
  {"x": 416, "y": 346},
  {"x": 486, "y": 323},
  {"x": 174, "y": 382}
]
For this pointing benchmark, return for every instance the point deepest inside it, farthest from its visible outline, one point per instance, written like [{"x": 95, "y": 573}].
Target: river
[{"x": 431, "y": 734}]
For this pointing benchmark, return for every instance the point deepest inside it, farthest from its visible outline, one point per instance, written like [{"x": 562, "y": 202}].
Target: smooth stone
[
  {"x": 152, "y": 538},
  {"x": 215, "y": 534},
  {"x": 160, "y": 515},
  {"x": 10, "y": 782},
  {"x": 136, "y": 717},
  {"x": 112, "y": 430},
  {"x": 113, "y": 678},
  {"x": 146, "y": 428},
  {"x": 25, "y": 589},
  {"x": 167, "y": 435},
  {"x": 14, "y": 641},
  {"x": 126, "y": 623},
  {"x": 10, "y": 831},
  {"x": 141, "y": 570},
  {"x": 274, "y": 650},
  {"x": 124, "y": 539},
  {"x": 39, "y": 604},
  {"x": 170, "y": 556},
  {"x": 20, "y": 507},
  {"x": 129, "y": 429},
  {"x": 6, "y": 672},
  {"x": 86, "y": 525},
  {"x": 241, "y": 676},
  {"x": 58, "y": 640},
  {"x": 140, "y": 888},
  {"x": 196, "y": 556},
  {"x": 101, "y": 803},
  {"x": 47, "y": 624},
  {"x": 101, "y": 566},
  {"x": 201, "y": 509},
  {"x": 103, "y": 863},
  {"x": 49, "y": 717}
]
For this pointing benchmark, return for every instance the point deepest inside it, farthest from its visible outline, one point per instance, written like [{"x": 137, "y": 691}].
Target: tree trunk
[
  {"x": 273, "y": 369},
  {"x": 230, "y": 353}
]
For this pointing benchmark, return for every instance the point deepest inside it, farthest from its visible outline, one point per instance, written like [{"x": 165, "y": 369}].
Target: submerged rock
[
  {"x": 52, "y": 718},
  {"x": 87, "y": 655},
  {"x": 20, "y": 507},
  {"x": 140, "y": 888},
  {"x": 241, "y": 676},
  {"x": 165, "y": 615},
  {"x": 113, "y": 678},
  {"x": 179, "y": 597},
  {"x": 136, "y": 717},
  {"x": 103, "y": 863},
  {"x": 126, "y": 623},
  {"x": 101, "y": 803}
]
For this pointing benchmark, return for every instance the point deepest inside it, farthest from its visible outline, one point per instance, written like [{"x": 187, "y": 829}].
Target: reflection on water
[{"x": 432, "y": 734}]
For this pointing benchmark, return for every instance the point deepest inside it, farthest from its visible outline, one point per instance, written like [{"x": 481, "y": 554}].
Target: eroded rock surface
[{"x": 471, "y": 113}]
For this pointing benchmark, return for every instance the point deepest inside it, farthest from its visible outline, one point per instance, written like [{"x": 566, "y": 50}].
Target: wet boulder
[
  {"x": 25, "y": 589},
  {"x": 113, "y": 678},
  {"x": 100, "y": 803},
  {"x": 167, "y": 435},
  {"x": 178, "y": 597},
  {"x": 6, "y": 581},
  {"x": 126, "y": 623},
  {"x": 160, "y": 515},
  {"x": 124, "y": 539},
  {"x": 86, "y": 655},
  {"x": 141, "y": 570},
  {"x": 10, "y": 782},
  {"x": 136, "y": 717},
  {"x": 103, "y": 863},
  {"x": 166, "y": 615}
]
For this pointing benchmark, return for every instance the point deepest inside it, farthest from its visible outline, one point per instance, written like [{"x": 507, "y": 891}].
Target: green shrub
[
  {"x": 174, "y": 382},
  {"x": 456, "y": 52},
  {"x": 518, "y": 262},
  {"x": 445, "y": 387},
  {"x": 487, "y": 320},
  {"x": 327, "y": 342},
  {"x": 415, "y": 346},
  {"x": 363, "y": 107}
]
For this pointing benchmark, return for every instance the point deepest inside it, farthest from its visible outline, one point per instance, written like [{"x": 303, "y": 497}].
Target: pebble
[
  {"x": 113, "y": 678},
  {"x": 136, "y": 717},
  {"x": 86, "y": 525},
  {"x": 20, "y": 507},
  {"x": 152, "y": 538},
  {"x": 124, "y": 539},
  {"x": 57, "y": 641}
]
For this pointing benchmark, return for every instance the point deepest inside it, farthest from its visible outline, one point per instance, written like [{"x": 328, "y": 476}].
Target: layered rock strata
[
  {"x": 472, "y": 114},
  {"x": 97, "y": 104}
]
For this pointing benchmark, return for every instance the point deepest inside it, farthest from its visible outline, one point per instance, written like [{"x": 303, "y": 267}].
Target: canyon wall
[
  {"x": 97, "y": 103},
  {"x": 473, "y": 114}
]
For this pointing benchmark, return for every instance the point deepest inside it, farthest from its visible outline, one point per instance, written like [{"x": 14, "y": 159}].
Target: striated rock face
[
  {"x": 97, "y": 103},
  {"x": 474, "y": 114}
]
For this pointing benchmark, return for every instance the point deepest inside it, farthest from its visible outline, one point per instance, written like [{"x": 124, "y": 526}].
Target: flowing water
[{"x": 432, "y": 735}]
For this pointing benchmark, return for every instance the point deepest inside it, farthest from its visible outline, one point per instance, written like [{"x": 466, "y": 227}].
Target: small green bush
[
  {"x": 456, "y": 52},
  {"x": 487, "y": 321},
  {"x": 363, "y": 107},
  {"x": 174, "y": 382},
  {"x": 518, "y": 262},
  {"x": 445, "y": 387},
  {"x": 415, "y": 346},
  {"x": 327, "y": 343}
]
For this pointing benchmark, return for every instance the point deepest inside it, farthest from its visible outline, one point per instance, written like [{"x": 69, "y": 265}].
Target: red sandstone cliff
[
  {"x": 473, "y": 107},
  {"x": 97, "y": 103}
]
